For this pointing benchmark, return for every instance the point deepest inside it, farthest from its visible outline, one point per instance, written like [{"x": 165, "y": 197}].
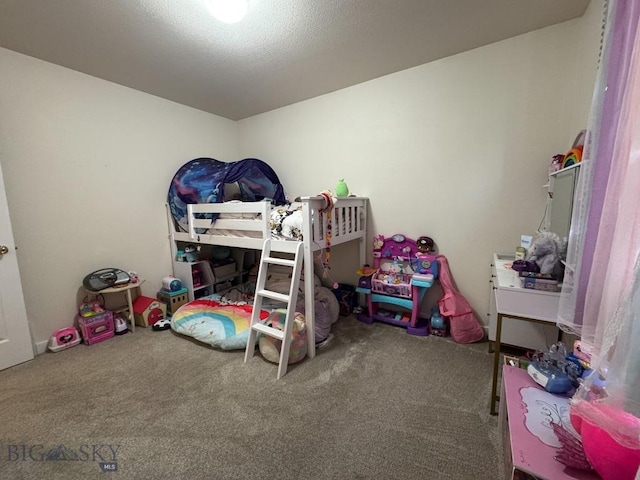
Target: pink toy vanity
[{"x": 400, "y": 277}]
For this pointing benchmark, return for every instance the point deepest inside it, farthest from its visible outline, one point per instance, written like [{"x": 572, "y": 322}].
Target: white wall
[
  {"x": 457, "y": 149},
  {"x": 582, "y": 75},
  {"x": 87, "y": 166}
]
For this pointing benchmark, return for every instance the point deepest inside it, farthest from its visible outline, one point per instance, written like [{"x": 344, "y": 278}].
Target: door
[{"x": 15, "y": 340}]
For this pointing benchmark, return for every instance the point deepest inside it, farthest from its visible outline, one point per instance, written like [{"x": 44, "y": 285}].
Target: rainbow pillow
[{"x": 221, "y": 325}]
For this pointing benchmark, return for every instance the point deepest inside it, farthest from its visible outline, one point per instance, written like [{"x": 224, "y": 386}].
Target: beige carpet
[{"x": 375, "y": 404}]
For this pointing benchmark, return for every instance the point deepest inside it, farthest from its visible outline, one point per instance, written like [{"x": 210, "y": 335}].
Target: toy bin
[
  {"x": 96, "y": 328},
  {"x": 394, "y": 284},
  {"x": 223, "y": 269}
]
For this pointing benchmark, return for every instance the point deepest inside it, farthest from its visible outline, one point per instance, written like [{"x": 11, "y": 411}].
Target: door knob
[{"x": 3, "y": 250}]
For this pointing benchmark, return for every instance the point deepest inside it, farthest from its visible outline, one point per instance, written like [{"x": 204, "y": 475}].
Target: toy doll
[
  {"x": 395, "y": 270},
  {"x": 425, "y": 244},
  {"x": 426, "y": 261},
  {"x": 378, "y": 243}
]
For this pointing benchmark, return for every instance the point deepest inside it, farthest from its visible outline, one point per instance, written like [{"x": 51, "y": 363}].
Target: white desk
[{"x": 517, "y": 303}]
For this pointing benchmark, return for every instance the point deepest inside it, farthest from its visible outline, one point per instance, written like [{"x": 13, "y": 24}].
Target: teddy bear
[{"x": 545, "y": 250}]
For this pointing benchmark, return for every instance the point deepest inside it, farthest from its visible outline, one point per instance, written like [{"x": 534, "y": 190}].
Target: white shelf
[
  {"x": 562, "y": 170},
  {"x": 185, "y": 272},
  {"x": 209, "y": 282}
]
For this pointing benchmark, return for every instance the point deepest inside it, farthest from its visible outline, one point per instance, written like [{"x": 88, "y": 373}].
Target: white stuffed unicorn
[{"x": 545, "y": 250}]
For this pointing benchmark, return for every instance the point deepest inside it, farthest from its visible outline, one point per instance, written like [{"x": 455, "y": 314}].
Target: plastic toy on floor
[
  {"x": 400, "y": 277},
  {"x": 64, "y": 338},
  {"x": 437, "y": 322},
  {"x": 164, "y": 324},
  {"x": 120, "y": 324}
]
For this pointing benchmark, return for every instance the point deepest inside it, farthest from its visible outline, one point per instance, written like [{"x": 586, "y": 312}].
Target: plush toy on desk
[{"x": 545, "y": 251}]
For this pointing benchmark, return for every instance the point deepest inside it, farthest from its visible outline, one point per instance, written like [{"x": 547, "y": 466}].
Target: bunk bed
[{"x": 325, "y": 223}]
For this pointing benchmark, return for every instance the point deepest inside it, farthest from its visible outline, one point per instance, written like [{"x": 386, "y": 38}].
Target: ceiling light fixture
[{"x": 228, "y": 11}]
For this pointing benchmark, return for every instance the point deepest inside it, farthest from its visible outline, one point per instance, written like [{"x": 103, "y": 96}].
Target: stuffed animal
[
  {"x": 270, "y": 347},
  {"x": 545, "y": 250},
  {"x": 192, "y": 252}
]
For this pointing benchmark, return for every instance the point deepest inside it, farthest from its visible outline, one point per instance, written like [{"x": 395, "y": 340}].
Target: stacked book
[{"x": 539, "y": 281}]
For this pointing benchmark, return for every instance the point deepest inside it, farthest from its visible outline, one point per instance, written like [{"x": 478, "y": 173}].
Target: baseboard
[
  {"x": 41, "y": 347},
  {"x": 38, "y": 347}
]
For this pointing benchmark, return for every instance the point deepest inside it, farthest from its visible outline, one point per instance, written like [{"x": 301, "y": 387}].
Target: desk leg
[
  {"x": 132, "y": 319},
  {"x": 415, "y": 305},
  {"x": 496, "y": 365}
]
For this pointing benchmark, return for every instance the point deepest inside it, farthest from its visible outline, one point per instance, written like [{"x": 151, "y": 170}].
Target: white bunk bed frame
[{"x": 348, "y": 222}]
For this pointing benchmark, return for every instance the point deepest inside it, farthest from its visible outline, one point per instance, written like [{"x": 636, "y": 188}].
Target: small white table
[
  {"x": 517, "y": 303},
  {"x": 126, "y": 289}
]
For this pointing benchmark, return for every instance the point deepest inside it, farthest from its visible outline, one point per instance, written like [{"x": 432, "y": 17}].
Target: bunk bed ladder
[{"x": 290, "y": 299}]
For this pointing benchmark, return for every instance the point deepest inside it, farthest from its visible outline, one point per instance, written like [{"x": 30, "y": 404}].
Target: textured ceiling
[{"x": 283, "y": 52}]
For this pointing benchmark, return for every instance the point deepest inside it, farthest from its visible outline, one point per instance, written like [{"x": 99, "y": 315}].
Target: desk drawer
[
  {"x": 523, "y": 302},
  {"x": 527, "y": 303}
]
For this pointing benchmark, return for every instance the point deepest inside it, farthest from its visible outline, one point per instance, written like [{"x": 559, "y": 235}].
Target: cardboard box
[{"x": 220, "y": 272}]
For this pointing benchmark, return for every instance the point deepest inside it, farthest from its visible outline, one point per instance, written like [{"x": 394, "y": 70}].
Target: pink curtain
[
  {"x": 600, "y": 299},
  {"x": 604, "y": 241}
]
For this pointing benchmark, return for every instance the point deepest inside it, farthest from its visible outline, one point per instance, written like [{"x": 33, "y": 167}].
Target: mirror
[{"x": 561, "y": 188}]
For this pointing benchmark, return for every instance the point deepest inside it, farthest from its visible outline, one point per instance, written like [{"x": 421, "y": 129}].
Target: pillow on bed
[
  {"x": 286, "y": 221},
  {"x": 224, "y": 326}
]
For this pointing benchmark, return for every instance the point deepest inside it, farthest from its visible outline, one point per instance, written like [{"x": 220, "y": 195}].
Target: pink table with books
[{"x": 525, "y": 416}]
